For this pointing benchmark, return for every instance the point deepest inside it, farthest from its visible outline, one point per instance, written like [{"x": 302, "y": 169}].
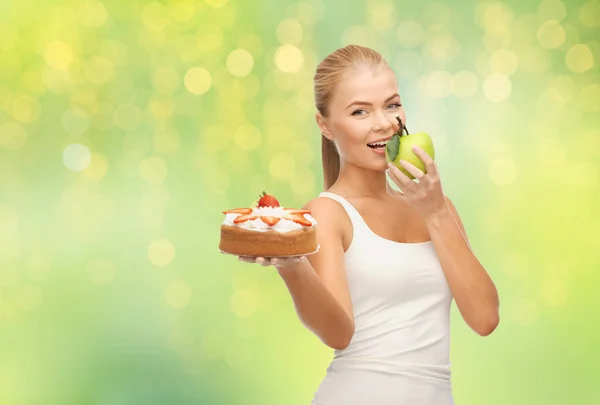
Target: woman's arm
[
  {"x": 472, "y": 288},
  {"x": 318, "y": 286}
]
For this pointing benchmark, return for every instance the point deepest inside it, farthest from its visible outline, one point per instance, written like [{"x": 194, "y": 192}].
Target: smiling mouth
[{"x": 377, "y": 145}]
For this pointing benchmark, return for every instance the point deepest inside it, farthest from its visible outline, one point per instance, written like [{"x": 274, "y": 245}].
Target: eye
[
  {"x": 357, "y": 112},
  {"x": 394, "y": 105}
]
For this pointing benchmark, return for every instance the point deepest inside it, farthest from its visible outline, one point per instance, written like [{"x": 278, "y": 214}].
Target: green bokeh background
[{"x": 126, "y": 127}]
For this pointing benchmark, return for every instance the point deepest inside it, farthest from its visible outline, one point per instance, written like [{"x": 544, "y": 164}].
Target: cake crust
[{"x": 243, "y": 242}]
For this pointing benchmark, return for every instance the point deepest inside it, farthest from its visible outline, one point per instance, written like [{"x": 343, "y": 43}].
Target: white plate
[{"x": 285, "y": 256}]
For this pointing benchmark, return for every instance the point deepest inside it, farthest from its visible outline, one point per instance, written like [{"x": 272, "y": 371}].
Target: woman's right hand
[{"x": 279, "y": 262}]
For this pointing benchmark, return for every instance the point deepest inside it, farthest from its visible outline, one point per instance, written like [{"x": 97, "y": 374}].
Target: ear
[{"x": 323, "y": 126}]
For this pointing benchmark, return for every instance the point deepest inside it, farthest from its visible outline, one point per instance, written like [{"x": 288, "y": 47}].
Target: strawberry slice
[
  {"x": 244, "y": 218},
  {"x": 299, "y": 219},
  {"x": 270, "y": 220},
  {"x": 295, "y": 211},
  {"x": 243, "y": 211}
]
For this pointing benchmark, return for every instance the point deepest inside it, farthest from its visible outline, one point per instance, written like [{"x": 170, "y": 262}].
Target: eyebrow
[{"x": 367, "y": 103}]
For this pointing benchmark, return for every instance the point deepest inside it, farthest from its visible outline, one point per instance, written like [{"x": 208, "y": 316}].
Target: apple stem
[{"x": 402, "y": 126}]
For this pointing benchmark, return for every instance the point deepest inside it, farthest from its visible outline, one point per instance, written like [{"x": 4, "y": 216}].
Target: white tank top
[{"x": 401, "y": 301}]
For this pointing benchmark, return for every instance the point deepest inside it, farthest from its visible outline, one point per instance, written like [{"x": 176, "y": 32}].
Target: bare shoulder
[
  {"x": 332, "y": 219},
  {"x": 331, "y": 234},
  {"x": 325, "y": 208}
]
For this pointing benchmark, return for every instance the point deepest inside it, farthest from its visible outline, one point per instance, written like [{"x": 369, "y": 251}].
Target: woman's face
[{"x": 362, "y": 112}]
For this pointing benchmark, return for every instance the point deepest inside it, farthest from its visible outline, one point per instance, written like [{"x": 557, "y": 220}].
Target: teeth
[{"x": 378, "y": 143}]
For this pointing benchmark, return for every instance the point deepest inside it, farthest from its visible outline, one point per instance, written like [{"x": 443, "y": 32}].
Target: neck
[{"x": 358, "y": 182}]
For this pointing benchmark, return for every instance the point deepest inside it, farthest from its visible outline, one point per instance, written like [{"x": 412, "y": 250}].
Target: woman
[{"x": 379, "y": 289}]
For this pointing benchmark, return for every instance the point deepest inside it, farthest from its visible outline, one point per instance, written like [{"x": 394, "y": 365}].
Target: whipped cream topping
[{"x": 284, "y": 225}]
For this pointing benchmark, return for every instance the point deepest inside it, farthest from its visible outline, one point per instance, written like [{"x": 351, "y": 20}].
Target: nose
[{"x": 382, "y": 123}]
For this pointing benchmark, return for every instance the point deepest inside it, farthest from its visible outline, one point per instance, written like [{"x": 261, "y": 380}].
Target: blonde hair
[{"x": 328, "y": 74}]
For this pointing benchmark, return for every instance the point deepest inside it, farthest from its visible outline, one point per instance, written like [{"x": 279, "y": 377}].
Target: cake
[{"x": 268, "y": 230}]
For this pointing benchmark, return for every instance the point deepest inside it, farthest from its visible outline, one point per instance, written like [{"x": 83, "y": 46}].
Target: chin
[
  {"x": 378, "y": 166},
  {"x": 369, "y": 161},
  {"x": 380, "y": 163}
]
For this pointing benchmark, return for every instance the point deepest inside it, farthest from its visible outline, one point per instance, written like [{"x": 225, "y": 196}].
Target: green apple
[{"x": 399, "y": 147}]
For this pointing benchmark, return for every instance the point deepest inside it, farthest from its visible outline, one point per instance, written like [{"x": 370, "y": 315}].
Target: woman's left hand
[{"x": 426, "y": 195}]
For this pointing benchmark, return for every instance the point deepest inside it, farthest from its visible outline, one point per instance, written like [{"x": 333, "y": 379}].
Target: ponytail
[{"x": 331, "y": 162}]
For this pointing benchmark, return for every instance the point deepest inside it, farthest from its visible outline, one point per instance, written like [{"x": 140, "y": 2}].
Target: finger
[
  {"x": 396, "y": 181},
  {"x": 401, "y": 180},
  {"x": 262, "y": 261},
  {"x": 412, "y": 169},
  {"x": 425, "y": 158},
  {"x": 246, "y": 259},
  {"x": 396, "y": 176}
]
